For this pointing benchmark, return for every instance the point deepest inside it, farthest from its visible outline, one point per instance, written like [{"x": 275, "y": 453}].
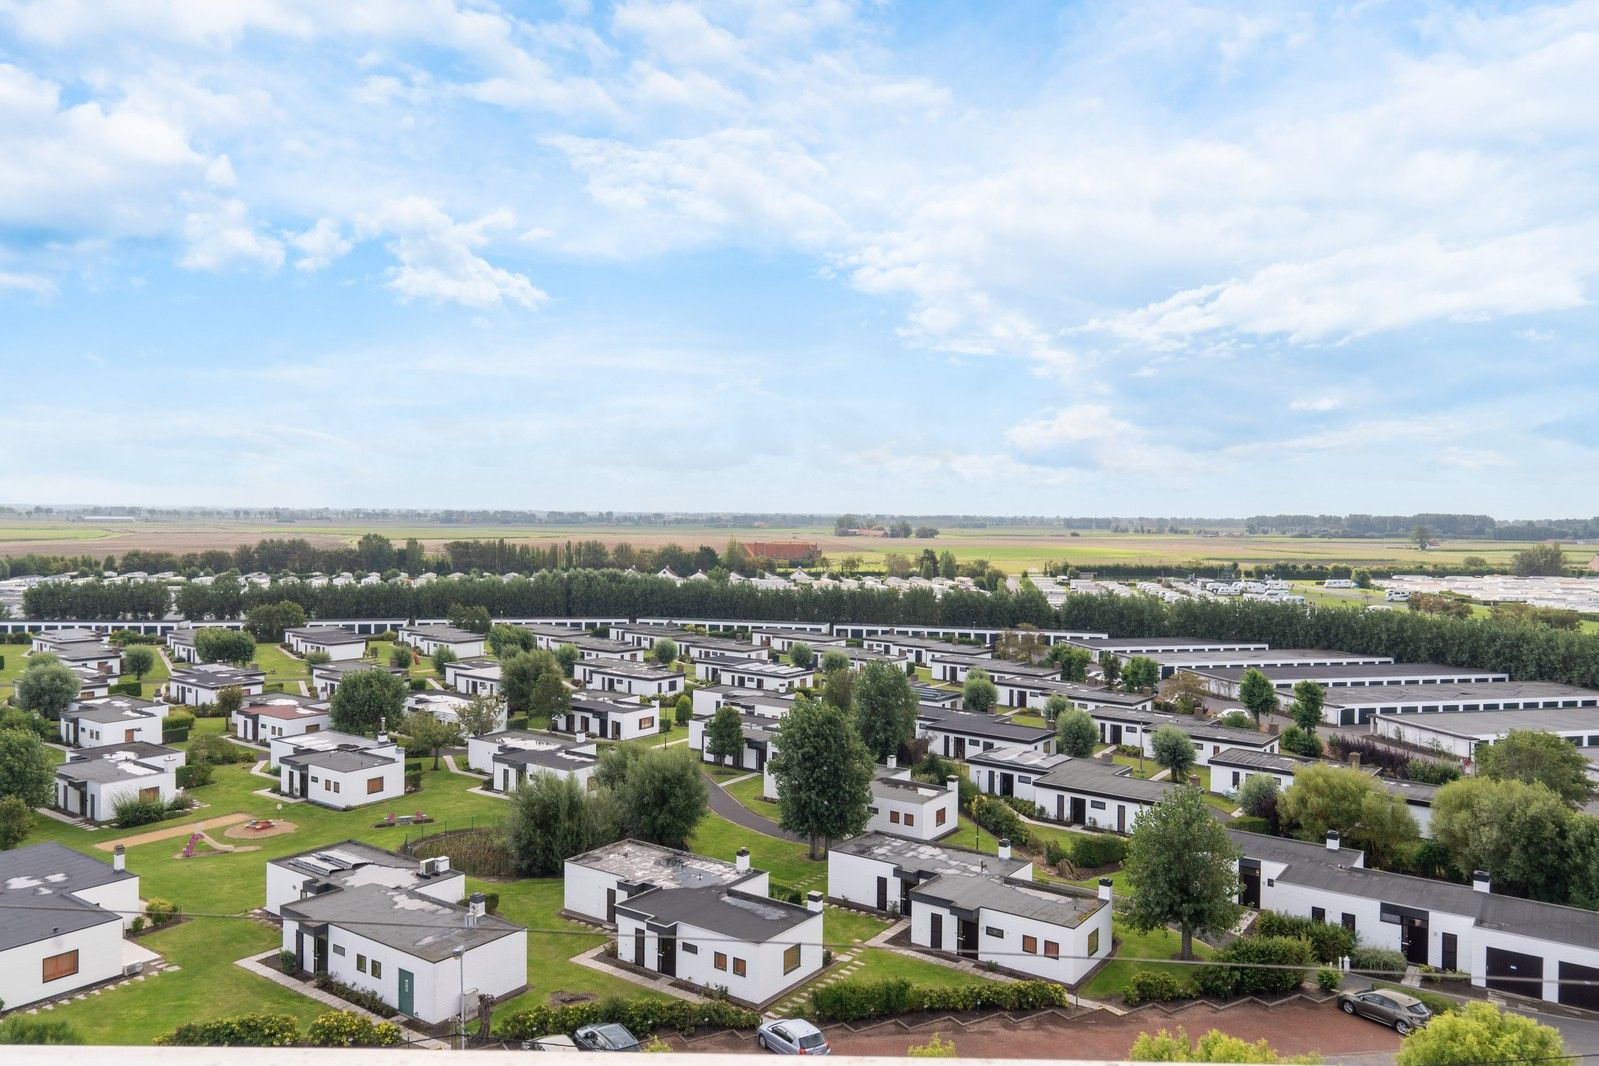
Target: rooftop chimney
[
  {"x": 741, "y": 861},
  {"x": 1004, "y": 847},
  {"x": 813, "y": 902},
  {"x": 475, "y": 908},
  {"x": 1332, "y": 840},
  {"x": 582, "y": 737},
  {"x": 1480, "y": 881},
  {"x": 383, "y": 730},
  {"x": 119, "y": 858},
  {"x": 1104, "y": 889},
  {"x": 952, "y": 783},
  {"x": 891, "y": 762}
]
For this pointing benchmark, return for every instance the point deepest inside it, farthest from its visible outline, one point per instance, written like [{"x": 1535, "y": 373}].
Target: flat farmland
[{"x": 1012, "y": 548}]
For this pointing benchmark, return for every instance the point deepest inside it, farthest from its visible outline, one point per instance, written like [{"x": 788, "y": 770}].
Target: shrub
[
  {"x": 1258, "y": 797},
  {"x": 1327, "y": 980},
  {"x": 1222, "y": 981},
  {"x": 936, "y": 1048},
  {"x": 418, "y": 684},
  {"x": 180, "y": 802},
  {"x": 176, "y": 725},
  {"x": 994, "y": 816},
  {"x": 16, "y": 821},
  {"x": 1156, "y": 986},
  {"x": 1377, "y": 960},
  {"x": 475, "y": 852},
  {"x": 345, "y": 1028},
  {"x": 361, "y": 997},
  {"x": 288, "y": 962},
  {"x": 491, "y": 902},
  {"x": 1055, "y": 853},
  {"x": 641, "y": 1017},
  {"x": 125, "y": 688},
  {"x": 1092, "y": 850},
  {"x": 853, "y": 1000},
  {"x": 160, "y": 911},
  {"x": 1328, "y": 942},
  {"x": 1431, "y": 772},
  {"x": 20, "y": 1029},
  {"x": 241, "y": 1030},
  {"x": 1026, "y": 808},
  {"x": 137, "y": 925},
  {"x": 317, "y": 658},
  {"x": 195, "y": 775},
  {"x": 131, "y": 811},
  {"x": 217, "y": 750},
  {"x": 413, "y": 780}
]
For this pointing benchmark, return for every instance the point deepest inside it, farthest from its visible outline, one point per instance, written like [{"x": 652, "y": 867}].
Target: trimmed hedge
[
  {"x": 194, "y": 775},
  {"x": 1222, "y": 981},
  {"x": 847, "y": 1001},
  {"x": 998, "y": 818},
  {"x": 361, "y": 997},
  {"x": 241, "y": 1030},
  {"x": 345, "y": 1028},
  {"x": 1377, "y": 960},
  {"x": 1328, "y": 942},
  {"x": 1091, "y": 850},
  {"x": 640, "y": 1016},
  {"x": 1156, "y": 986}
]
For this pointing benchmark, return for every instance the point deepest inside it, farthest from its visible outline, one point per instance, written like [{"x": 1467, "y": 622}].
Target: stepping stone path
[{"x": 845, "y": 964}]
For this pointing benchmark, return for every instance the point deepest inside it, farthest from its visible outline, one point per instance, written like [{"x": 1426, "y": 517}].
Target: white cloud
[
  {"x": 438, "y": 261},
  {"x": 222, "y": 234},
  {"x": 320, "y": 245},
  {"x": 1315, "y": 403},
  {"x": 1077, "y": 424},
  {"x": 30, "y": 283}
]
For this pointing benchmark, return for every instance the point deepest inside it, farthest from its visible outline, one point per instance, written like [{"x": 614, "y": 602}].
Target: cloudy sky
[{"x": 1157, "y": 258}]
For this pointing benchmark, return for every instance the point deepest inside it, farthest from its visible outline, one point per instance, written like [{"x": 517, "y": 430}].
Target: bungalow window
[
  {"x": 791, "y": 958},
  {"x": 335, "y": 786},
  {"x": 338, "y": 949},
  {"x": 377, "y": 968},
  {"x": 738, "y": 967},
  {"x": 688, "y": 949},
  {"x": 940, "y": 816},
  {"x": 1097, "y": 805},
  {"x": 647, "y": 723},
  {"x": 1030, "y": 945},
  {"x": 1318, "y": 914},
  {"x": 893, "y": 816},
  {"x": 1093, "y": 942},
  {"x": 1051, "y": 949},
  {"x": 360, "y": 963},
  {"x": 910, "y": 819},
  {"x": 720, "y": 960},
  {"x": 1349, "y": 921},
  {"x": 994, "y": 931},
  {"x": 58, "y": 966},
  {"x": 374, "y": 785}
]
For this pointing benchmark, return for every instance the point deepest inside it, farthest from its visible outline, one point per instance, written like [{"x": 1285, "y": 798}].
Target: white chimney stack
[
  {"x": 1004, "y": 845},
  {"x": 1104, "y": 889},
  {"x": 383, "y": 730},
  {"x": 1480, "y": 882},
  {"x": 582, "y": 737},
  {"x": 741, "y": 861},
  {"x": 1332, "y": 840},
  {"x": 119, "y": 858},
  {"x": 813, "y": 902},
  {"x": 476, "y": 906},
  {"x": 952, "y": 783},
  {"x": 891, "y": 762}
]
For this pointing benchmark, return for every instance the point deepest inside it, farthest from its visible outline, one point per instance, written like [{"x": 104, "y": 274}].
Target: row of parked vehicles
[{"x": 782, "y": 1036}]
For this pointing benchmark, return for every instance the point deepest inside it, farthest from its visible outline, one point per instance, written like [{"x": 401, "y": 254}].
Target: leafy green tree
[
  {"x": 1214, "y": 1046},
  {"x": 568, "y": 655},
  {"x": 521, "y": 673},
  {"x": 424, "y": 732},
  {"x": 1421, "y": 537},
  {"x": 1073, "y": 661},
  {"x": 978, "y": 693},
  {"x": 47, "y": 686},
  {"x": 1110, "y": 668},
  {"x": 801, "y": 655},
  {"x": 550, "y": 694},
  {"x": 317, "y": 658},
  {"x": 724, "y": 737},
  {"x": 1256, "y": 693},
  {"x": 374, "y": 552},
  {"x": 947, "y": 567},
  {"x": 1173, "y": 749},
  {"x": 1186, "y": 692},
  {"x": 1078, "y": 733},
  {"x": 1540, "y": 560},
  {"x": 1342, "y": 798},
  {"x": 1181, "y": 869},
  {"x": 1517, "y": 832},
  {"x": 229, "y": 699},
  {"x": 833, "y": 659},
  {"x": 1309, "y": 699},
  {"x": 823, "y": 772},
  {"x": 474, "y": 619},
  {"x": 267, "y": 621},
  {"x": 1141, "y": 672},
  {"x": 838, "y": 687},
  {"x": 1055, "y": 706},
  {"x": 1481, "y": 1033},
  {"x": 402, "y": 656},
  {"x": 885, "y": 709},
  {"x": 664, "y": 651},
  {"x": 16, "y": 821},
  {"x": 684, "y": 709},
  {"x": 365, "y": 699},
  {"x": 481, "y": 716},
  {"x": 1258, "y": 797},
  {"x": 554, "y": 818},
  {"x": 26, "y": 769},
  {"x": 1537, "y": 758},
  {"x": 663, "y": 797},
  {"x": 138, "y": 660},
  {"x": 233, "y": 646},
  {"x": 506, "y": 639},
  {"x": 442, "y": 658}
]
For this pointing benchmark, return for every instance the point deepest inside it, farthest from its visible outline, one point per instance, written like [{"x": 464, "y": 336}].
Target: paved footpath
[{"x": 734, "y": 811}]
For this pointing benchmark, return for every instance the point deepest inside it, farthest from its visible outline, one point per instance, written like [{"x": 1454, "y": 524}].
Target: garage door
[
  {"x": 1579, "y": 995},
  {"x": 1511, "y": 971}
]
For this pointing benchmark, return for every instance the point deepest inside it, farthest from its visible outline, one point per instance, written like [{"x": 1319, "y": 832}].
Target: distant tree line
[{"x": 1472, "y": 526}]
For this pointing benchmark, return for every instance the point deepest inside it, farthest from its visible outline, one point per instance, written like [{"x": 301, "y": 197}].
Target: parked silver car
[
  {"x": 1390, "y": 1007},
  {"x": 792, "y": 1036}
]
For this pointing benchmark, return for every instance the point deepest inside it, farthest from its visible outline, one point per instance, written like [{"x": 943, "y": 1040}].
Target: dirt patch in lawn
[
  {"x": 172, "y": 831},
  {"x": 245, "y": 832}
]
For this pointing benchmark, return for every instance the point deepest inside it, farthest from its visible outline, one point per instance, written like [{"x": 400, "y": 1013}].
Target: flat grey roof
[
  {"x": 1110, "y": 780},
  {"x": 626, "y": 667},
  {"x": 1491, "y": 723},
  {"x": 105, "y": 771},
  {"x": 1194, "y": 727},
  {"x": 1016, "y": 757},
  {"x": 1479, "y": 692},
  {"x": 449, "y": 634},
  {"x": 326, "y": 635},
  {"x": 1156, "y": 644},
  {"x": 408, "y": 921},
  {"x": 1024, "y": 899},
  {"x": 214, "y": 675},
  {"x": 719, "y": 909},
  {"x": 354, "y": 666},
  {"x": 968, "y": 723},
  {"x": 1288, "y": 850},
  {"x": 340, "y": 761},
  {"x": 926, "y": 860},
  {"x": 1255, "y": 759},
  {"x": 1282, "y": 675},
  {"x": 1282, "y": 656},
  {"x": 104, "y": 713},
  {"x": 36, "y": 892},
  {"x": 638, "y": 863},
  {"x": 1074, "y": 690}
]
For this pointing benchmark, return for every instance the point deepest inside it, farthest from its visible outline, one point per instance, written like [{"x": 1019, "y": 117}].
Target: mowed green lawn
[{"x": 1131, "y": 945}]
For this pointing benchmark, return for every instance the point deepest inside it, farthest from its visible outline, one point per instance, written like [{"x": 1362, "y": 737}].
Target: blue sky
[{"x": 1155, "y": 258}]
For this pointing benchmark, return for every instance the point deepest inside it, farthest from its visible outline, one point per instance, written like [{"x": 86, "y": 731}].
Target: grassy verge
[{"x": 1131, "y": 944}]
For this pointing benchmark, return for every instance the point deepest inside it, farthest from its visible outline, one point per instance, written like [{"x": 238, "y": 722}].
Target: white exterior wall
[
  {"x": 1101, "y": 812},
  {"x": 352, "y": 785},
  {"x": 103, "y": 734},
  {"x": 924, "y": 811},
  {"x": 1006, "y": 950},
  {"x": 1413, "y": 730},
  {"x": 507, "y": 778},
  {"x": 199, "y": 696},
  {"x": 119, "y": 896},
  {"x": 344, "y": 651},
  {"x": 763, "y": 978},
  {"x": 22, "y": 967},
  {"x": 853, "y": 879},
  {"x": 102, "y": 797},
  {"x": 986, "y": 778},
  {"x": 1227, "y": 780},
  {"x": 283, "y": 886},
  {"x": 630, "y": 723},
  {"x": 584, "y": 890}
]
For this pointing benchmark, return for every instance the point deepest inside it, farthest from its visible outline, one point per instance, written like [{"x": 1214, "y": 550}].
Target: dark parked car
[
  {"x": 792, "y": 1036},
  {"x": 1385, "y": 1005},
  {"x": 608, "y": 1036}
]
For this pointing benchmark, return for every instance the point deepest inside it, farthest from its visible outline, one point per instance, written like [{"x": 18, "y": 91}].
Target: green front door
[{"x": 407, "y": 992}]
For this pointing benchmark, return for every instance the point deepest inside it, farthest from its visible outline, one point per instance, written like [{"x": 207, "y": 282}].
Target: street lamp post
[{"x": 460, "y": 971}]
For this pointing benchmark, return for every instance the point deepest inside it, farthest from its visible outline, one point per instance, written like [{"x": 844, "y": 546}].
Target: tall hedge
[
  {"x": 640, "y": 1016},
  {"x": 1272, "y": 966},
  {"x": 848, "y": 1001},
  {"x": 1328, "y": 942}
]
